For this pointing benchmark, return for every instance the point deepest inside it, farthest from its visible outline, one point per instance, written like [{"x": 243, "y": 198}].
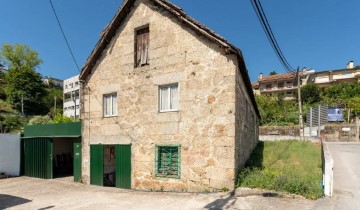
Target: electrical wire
[
  {"x": 62, "y": 31},
  {"x": 270, "y": 35}
]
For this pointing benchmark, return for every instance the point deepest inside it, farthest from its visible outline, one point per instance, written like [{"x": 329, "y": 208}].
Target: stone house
[{"x": 167, "y": 104}]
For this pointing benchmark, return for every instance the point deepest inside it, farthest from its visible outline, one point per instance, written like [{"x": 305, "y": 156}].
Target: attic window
[{"x": 142, "y": 47}]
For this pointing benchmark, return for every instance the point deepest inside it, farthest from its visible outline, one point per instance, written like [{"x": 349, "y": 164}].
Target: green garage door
[
  {"x": 77, "y": 160},
  {"x": 97, "y": 165},
  {"x": 123, "y": 166},
  {"x": 38, "y": 157}
]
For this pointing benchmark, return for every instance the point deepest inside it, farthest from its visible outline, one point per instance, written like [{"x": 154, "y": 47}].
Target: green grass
[{"x": 285, "y": 166}]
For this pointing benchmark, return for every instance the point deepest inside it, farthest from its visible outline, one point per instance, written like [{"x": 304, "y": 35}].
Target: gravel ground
[{"x": 32, "y": 193}]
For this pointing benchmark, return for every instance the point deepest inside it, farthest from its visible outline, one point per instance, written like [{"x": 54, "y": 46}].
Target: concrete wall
[
  {"x": 10, "y": 154},
  {"x": 208, "y": 123},
  {"x": 288, "y": 138},
  {"x": 332, "y": 132},
  {"x": 342, "y": 132}
]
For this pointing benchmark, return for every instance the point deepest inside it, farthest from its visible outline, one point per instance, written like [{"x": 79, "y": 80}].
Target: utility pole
[
  {"x": 319, "y": 120},
  {"x": 74, "y": 99},
  {"x": 301, "y": 124},
  {"x": 22, "y": 104},
  {"x": 54, "y": 105}
]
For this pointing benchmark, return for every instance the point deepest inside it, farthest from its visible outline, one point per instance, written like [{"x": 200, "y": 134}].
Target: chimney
[
  {"x": 350, "y": 65},
  {"x": 260, "y": 76}
]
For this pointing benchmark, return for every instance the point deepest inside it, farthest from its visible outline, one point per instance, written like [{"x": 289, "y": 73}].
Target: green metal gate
[
  {"x": 77, "y": 160},
  {"x": 39, "y": 157},
  {"x": 97, "y": 165},
  {"x": 123, "y": 166}
]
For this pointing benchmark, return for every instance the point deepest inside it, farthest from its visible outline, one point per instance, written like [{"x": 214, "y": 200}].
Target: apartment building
[
  {"x": 273, "y": 85},
  {"x": 350, "y": 74},
  {"x": 53, "y": 82},
  {"x": 71, "y": 89},
  {"x": 286, "y": 84}
]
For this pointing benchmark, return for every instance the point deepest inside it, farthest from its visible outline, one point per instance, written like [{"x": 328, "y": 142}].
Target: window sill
[
  {"x": 166, "y": 111},
  {"x": 167, "y": 177},
  {"x": 142, "y": 66},
  {"x": 109, "y": 116}
]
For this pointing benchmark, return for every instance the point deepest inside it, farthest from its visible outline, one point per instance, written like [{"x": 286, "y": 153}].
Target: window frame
[
  {"x": 157, "y": 174},
  {"x": 140, "y": 31},
  {"x": 168, "y": 86},
  {"x": 112, "y": 101},
  {"x": 268, "y": 86}
]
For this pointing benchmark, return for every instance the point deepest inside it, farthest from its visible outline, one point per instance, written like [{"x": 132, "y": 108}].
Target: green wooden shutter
[
  {"x": 77, "y": 160},
  {"x": 123, "y": 166},
  {"x": 97, "y": 165}
]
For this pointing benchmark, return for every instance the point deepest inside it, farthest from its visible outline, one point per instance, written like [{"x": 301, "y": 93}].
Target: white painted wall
[{"x": 10, "y": 154}]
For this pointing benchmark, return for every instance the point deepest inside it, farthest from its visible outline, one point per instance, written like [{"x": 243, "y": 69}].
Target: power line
[
  {"x": 62, "y": 31},
  {"x": 270, "y": 35}
]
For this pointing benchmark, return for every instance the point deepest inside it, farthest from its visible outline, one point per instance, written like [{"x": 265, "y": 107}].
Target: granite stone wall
[{"x": 215, "y": 133}]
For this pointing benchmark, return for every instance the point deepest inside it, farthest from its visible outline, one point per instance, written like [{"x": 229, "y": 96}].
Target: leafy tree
[
  {"x": 273, "y": 73},
  {"x": 11, "y": 123},
  {"x": 310, "y": 94},
  {"x": 276, "y": 111},
  {"x": 6, "y": 107},
  {"x": 337, "y": 95},
  {"x": 22, "y": 81},
  {"x": 36, "y": 120},
  {"x": 49, "y": 100},
  {"x": 354, "y": 104},
  {"x": 2, "y": 85}
]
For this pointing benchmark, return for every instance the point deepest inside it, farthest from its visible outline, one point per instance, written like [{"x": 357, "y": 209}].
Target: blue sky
[{"x": 317, "y": 34}]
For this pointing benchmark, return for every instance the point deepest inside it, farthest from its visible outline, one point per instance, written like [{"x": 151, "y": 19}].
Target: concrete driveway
[
  {"x": 31, "y": 193},
  {"x": 346, "y": 174}
]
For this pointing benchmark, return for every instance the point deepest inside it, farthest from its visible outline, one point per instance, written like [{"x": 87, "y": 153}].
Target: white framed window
[
  {"x": 110, "y": 105},
  {"x": 169, "y": 98}
]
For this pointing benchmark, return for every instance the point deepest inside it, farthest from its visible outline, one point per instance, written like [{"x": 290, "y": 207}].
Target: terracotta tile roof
[
  {"x": 109, "y": 32},
  {"x": 255, "y": 84},
  {"x": 278, "y": 77}
]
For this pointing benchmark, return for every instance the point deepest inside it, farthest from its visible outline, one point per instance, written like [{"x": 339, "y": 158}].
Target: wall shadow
[
  {"x": 257, "y": 157},
  {"x": 7, "y": 201}
]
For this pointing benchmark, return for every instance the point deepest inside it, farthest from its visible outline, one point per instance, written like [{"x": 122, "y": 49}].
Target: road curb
[{"x": 328, "y": 166}]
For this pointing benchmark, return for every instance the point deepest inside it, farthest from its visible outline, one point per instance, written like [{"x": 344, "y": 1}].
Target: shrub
[
  {"x": 39, "y": 120},
  {"x": 59, "y": 118}
]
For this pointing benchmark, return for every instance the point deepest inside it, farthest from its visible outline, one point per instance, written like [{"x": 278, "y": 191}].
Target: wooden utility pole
[
  {"x": 54, "y": 105},
  {"x": 357, "y": 128},
  {"x": 301, "y": 123},
  {"x": 22, "y": 104}
]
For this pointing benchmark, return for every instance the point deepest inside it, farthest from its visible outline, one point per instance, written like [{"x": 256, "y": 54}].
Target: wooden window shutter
[
  {"x": 138, "y": 49},
  {"x": 145, "y": 47},
  {"x": 142, "y": 47}
]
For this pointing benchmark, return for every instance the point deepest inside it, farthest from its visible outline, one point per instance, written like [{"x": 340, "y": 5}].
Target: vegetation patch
[{"x": 285, "y": 166}]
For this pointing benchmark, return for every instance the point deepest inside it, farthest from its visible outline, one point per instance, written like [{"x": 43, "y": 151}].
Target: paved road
[
  {"x": 346, "y": 174},
  {"x": 31, "y": 193}
]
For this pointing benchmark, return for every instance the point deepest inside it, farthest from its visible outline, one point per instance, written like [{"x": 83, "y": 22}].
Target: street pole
[{"x": 301, "y": 124}]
